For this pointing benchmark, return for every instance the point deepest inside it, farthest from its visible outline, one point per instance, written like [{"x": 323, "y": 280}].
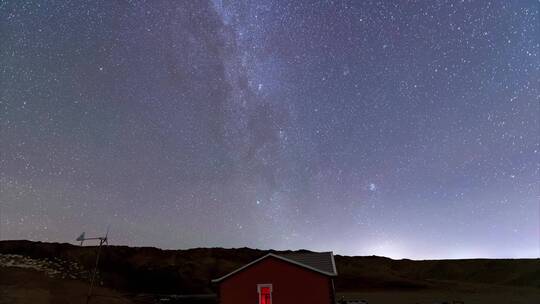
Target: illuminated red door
[{"x": 265, "y": 296}]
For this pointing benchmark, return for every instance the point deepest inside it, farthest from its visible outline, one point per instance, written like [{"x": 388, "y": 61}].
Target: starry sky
[{"x": 396, "y": 128}]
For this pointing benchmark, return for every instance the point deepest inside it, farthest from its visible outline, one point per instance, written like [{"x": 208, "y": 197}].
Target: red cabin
[{"x": 281, "y": 279}]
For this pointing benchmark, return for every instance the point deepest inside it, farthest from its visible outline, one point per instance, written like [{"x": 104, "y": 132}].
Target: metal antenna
[
  {"x": 102, "y": 240},
  {"x": 107, "y": 234},
  {"x": 81, "y": 238}
]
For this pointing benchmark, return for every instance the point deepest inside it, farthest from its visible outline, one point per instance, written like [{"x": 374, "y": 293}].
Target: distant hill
[{"x": 152, "y": 270}]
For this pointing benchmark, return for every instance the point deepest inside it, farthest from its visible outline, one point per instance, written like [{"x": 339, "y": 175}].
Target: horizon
[
  {"x": 372, "y": 127},
  {"x": 284, "y": 249}
]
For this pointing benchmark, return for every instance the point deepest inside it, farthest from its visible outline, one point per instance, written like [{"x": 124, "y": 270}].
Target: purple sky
[{"x": 363, "y": 127}]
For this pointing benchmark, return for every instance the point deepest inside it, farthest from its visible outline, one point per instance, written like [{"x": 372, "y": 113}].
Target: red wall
[{"x": 291, "y": 284}]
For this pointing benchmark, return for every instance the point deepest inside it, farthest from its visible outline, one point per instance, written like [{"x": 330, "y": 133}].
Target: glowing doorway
[{"x": 265, "y": 293}]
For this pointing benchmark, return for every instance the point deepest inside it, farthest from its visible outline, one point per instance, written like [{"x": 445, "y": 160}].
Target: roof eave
[{"x": 283, "y": 259}]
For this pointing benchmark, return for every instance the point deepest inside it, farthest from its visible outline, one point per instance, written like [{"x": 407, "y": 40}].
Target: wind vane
[{"x": 102, "y": 240}]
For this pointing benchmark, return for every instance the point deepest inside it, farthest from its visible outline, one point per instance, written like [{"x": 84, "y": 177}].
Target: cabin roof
[{"x": 321, "y": 262}]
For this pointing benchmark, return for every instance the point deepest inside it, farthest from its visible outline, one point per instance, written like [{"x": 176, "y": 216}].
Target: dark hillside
[
  {"x": 152, "y": 270},
  {"x": 384, "y": 272}
]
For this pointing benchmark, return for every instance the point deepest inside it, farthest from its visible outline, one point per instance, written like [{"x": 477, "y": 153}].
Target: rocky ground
[
  {"x": 27, "y": 281},
  {"x": 53, "y": 268}
]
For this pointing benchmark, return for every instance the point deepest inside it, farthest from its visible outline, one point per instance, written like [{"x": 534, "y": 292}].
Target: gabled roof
[{"x": 322, "y": 263}]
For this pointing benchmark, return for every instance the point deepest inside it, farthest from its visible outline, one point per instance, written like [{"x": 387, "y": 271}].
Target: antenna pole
[{"x": 101, "y": 241}]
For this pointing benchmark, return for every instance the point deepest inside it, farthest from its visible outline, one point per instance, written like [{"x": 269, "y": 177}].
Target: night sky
[{"x": 403, "y": 129}]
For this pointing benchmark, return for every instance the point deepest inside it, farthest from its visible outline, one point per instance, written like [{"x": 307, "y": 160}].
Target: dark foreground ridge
[{"x": 157, "y": 271}]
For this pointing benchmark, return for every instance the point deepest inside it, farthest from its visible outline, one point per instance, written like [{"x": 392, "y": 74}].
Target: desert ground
[
  {"x": 40, "y": 273},
  {"x": 30, "y": 286},
  {"x": 473, "y": 294}
]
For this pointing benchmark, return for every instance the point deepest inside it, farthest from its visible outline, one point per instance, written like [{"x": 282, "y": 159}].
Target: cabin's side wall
[{"x": 291, "y": 284}]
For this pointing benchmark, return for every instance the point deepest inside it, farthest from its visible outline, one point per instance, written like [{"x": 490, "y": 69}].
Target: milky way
[{"x": 404, "y": 129}]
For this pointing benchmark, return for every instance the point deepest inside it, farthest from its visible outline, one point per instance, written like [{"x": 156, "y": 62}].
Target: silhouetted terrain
[{"x": 152, "y": 270}]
